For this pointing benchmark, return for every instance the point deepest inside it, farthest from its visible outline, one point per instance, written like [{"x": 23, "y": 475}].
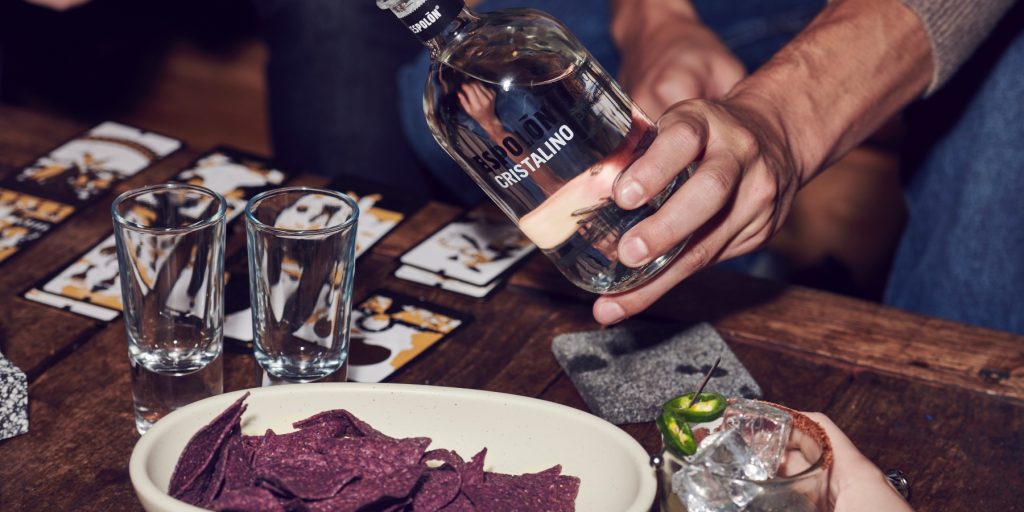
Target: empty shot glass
[
  {"x": 301, "y": 268},
  {"x": 170, "y": 255}
]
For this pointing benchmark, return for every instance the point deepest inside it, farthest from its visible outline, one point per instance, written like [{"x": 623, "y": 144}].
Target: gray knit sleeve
[{"x": 955, "y": 28}]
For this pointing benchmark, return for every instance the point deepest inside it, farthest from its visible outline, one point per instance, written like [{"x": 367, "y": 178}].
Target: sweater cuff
[{"x": 955, "y": 28}]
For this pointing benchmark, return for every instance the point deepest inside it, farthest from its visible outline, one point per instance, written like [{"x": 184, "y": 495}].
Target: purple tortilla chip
[
  {"x": 192, "y": 472},
  {"x": 460, "y": 504},
  {"x": 336, "y": 462},
  {"x": 447, "y": 456},
  {"x": 238, "y": 469},
  {"x": 308, "y": 476},
  {"x": 338, "y": 423},
  {"x": 216, "y": 481},
  {"x": 473, "y": 472},
  {"x": 390, "y": 469},
  {"x": 275, "y": 447},
  {"x": 437, "y": 488},
  {"x": 253, "y": 499},
  {"x": 547, "y": 490}
]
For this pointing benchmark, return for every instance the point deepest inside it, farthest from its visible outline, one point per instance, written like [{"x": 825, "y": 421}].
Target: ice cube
[
  {"x": 764, "y": 428},
  {"x": 713, "y": 478}
]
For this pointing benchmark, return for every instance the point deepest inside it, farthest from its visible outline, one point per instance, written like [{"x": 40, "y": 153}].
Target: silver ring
[{"x": 898, "y": 480}]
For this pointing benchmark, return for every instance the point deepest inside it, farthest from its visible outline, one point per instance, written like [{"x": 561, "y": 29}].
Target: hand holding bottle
[{"x": 732, "y": 204}]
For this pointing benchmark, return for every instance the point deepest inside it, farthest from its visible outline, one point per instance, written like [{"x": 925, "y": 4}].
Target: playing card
[
  {"x": 93, "y": 280},
  {"x": 625, "y": 374},
  {"x": 381, "y": 208},
  {"x": 418, "y": 275},
  {"x": 236, "y": 175},
  {"x": 389, "y": 330},
  {"x": 476, "y": 248},
  {"x": 24, "y": 218},
  {"x": 374, "y": 221},
  {"x": 85, "y": 167},
  {"x": 74, "y": 306}
]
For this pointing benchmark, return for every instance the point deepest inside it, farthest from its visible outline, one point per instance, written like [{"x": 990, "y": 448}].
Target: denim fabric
[
  {"x": 753, "y": 30},
  {"x": 332, "y": 90},
  {"x": 962, "y": 252}
]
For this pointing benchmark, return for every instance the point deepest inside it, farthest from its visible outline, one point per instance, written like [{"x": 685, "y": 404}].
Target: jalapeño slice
[
  {"x": 708, "y": 406},
  {"x": 677, "y": 434}
]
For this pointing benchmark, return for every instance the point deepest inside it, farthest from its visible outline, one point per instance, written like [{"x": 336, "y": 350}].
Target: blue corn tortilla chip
[
  {"x": 238, "y": 472},
  {"x": 308, "y": 476},
  {"x": 446, "y": 456},
  {"x": 338, "y": 423},
  {"x": 336, "y": 462},
  {"x": 548, "y": 490},
  {"x": 437, "y": 488},
  {"x": 216, "y": 481},
  {"x": 252, "y": 499},
  {"x": 390, "y": 469},
  {"x": 193, "y": 472},
  {"x": 460, "y": 504}
]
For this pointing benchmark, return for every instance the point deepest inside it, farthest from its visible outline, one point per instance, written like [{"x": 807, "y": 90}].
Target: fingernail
[
  {"x": 631, "y": 194},
  {"x": 633, "y": 251},
  {"x": 609, "y": 313}
]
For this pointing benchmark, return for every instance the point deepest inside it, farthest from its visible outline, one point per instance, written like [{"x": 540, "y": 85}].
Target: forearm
[
  {"x": 858, "y": 63},
  {"x": 639, "y": 16}
]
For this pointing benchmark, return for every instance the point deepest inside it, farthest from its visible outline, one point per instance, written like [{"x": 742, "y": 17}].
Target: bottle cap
[{"x": 425, "y": 18}]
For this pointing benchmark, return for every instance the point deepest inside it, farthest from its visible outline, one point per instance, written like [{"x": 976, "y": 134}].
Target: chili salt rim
[{"x": 809, "y": 427}]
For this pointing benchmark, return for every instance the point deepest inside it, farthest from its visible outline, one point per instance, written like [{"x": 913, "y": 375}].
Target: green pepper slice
[
  {"x": 677, "y": 434},
  {"x": 709, "y": 406}
]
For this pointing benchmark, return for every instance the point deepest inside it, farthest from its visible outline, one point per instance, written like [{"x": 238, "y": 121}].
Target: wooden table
[{"x": 940, "y": 400}]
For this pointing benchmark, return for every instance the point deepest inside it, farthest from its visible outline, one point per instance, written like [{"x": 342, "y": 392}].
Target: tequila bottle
[{"x": 541, "y": 127}]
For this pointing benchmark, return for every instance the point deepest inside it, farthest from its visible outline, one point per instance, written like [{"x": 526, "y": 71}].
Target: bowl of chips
[{"x": 357, "y": 446}]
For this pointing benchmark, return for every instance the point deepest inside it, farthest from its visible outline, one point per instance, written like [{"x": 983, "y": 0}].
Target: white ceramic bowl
[{"x": 521, "y": 435}]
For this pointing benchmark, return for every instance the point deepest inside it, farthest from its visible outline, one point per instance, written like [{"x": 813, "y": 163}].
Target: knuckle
[
  {"x": 697, "y": 257},
  {"x": 746, "y": 143},
  {"x": 713, "y": 182},
  {"x": 658, "y": 232},
  {"x": 681, "y": 132}
]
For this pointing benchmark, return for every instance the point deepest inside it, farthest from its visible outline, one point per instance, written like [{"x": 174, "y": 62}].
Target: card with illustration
[
  {"x": 476, "y": 248},
  {"x": 91, "y": 285},
  {"x": 236, "y": 175},
  {"x": 25, "y": 218},
  {"x": 418, "y": 275},
  {"x": 381, "y": 208},
  {"x": 374, "y": 221},
  {"x": 389, "y": 330},
  {"x": 87, "y": 166}
]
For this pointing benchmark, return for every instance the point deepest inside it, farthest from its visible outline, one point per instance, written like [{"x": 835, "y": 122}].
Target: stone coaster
[
  {"x": 13, "y": 400},
  {"x": 625, "y": 374}
]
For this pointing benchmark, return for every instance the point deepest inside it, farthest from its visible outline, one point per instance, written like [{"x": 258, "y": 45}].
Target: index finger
[{"x": 682, "y": 136}]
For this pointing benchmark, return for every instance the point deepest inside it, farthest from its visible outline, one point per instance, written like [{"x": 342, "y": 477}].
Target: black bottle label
[{"x": 431, "y": 17}]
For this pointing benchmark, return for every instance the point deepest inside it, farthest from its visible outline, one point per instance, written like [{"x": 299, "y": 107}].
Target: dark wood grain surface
[{"x": 942, "y": 401}]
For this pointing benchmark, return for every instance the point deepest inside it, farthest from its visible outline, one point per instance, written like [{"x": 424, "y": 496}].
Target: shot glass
[
  {"x": 301, "y": 268},
  {"x": 170, "y": 255}
]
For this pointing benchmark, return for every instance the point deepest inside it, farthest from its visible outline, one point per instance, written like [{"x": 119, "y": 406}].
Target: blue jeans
[{"x": 961, "y": 256}]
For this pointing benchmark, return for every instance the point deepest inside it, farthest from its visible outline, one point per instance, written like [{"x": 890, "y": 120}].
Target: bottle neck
[{"x": 435, "y": 22}]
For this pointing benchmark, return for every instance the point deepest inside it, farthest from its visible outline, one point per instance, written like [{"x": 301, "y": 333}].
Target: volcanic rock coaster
[
  {"x": 625, "y": 374},
  {"x": 13, "y": 400}
]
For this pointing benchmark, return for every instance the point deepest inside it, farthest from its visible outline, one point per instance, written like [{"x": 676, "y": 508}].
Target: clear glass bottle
[{"x": 541, "y": 127}]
